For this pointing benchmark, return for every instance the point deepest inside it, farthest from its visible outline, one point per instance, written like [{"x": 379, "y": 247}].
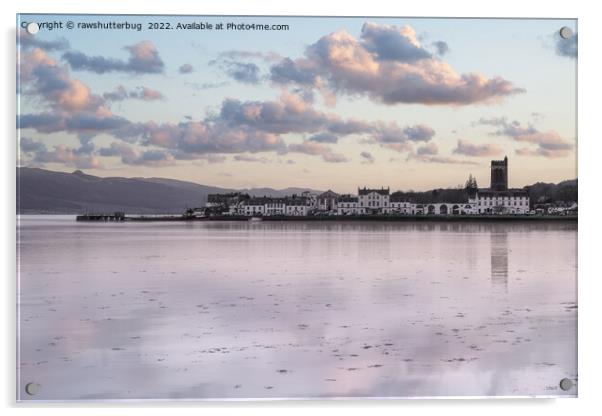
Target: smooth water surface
[{"x": 295, "y": 309}]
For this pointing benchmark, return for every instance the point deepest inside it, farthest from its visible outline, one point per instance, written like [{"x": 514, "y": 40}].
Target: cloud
[
  {"x": 388, "y": 65},
  {"x": 393, "y": 137},
  {"x": 79, "y": 123},
  {"x": 367, "y": 157},
  {"x": 42, "y": 76},
  {"x": 191, "y": 139},
  {"x": 239, "y": 127},
  {"x": 419, "y": 133},
  {"x": 244, "y": 72},
  {"x": 212, "y": 158},
  {"x": 300, "y": 72},
  {"x": 550, "y": 153},
  {"x": 248, "y": 158},
  {"x": 441, "y": 47},
  {"x": 141, "y": 93},
  {"x": 466, "y": 148},
  {"x": 428, "y": 149},
  {"x": 147, "y": 94},
  {"x": 144, "y": 59},
  {"x": 247, "y": 73},
  {"x": 566, "y": 47},
  {"x": 391, "y": 43},
  {"x": 155, "y": 157},
  {"x": 28, "y": 145},
  {"x": 325, "y": 137},
  {"x": 289, "y": 114},
  {"x": 62, "y": 154},
  {"x": 440, "y": 160},
  {"x": 536, "y": 116},
  {"x": 206, "y": 85},
  {"x": 548, "y": 144},
  {"x": 29, "y": 41},
  {"x": 126, "y": 152},
  {"x": 186, "y": 69},
  {"x": 119, "y": 94},
  {"x": 66, "y": 104},
  {"x": 317, "y": 149},
  {"x": 237, "y": 54},
  {"x": 130, "y": 157}
]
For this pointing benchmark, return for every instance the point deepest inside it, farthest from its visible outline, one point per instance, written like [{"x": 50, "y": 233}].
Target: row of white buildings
[
  {"x": 497, "y": 199},
  {"x": 377, "y": 202}
]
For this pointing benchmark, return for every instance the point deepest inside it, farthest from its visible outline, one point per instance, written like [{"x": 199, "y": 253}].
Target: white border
[{"x": 590, "y": 202}]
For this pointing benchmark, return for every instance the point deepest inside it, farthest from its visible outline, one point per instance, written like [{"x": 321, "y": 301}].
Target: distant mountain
[{"x": 45, "y": 191}]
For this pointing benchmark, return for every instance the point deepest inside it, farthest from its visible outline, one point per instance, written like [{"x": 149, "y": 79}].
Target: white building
[
  {"x": 297, "y": 207},
  {"x": 512, "y": 201},
  {"x": 275, "y": 206},
  {"x": 311, "y": 199},
  {"x": 349, "y": 205},
  {"x": 444, "y": 208},
  {"x": 374, "y": 201},
  {"x": 327, "y": 201},
  {"x": 400, "y": 205},
  {"x": 237, "y": 209},
  {"x": 255, "y": 206}
]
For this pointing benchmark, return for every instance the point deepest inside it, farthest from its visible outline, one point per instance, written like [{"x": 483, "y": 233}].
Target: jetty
[{"x": 115, "y": 216}]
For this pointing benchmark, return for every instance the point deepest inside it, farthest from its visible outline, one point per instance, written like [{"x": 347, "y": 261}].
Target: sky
[{"x": 327, "y": 103}]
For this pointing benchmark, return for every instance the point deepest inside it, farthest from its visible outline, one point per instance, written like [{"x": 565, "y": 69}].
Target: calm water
[{"x": 251, "y": 310}]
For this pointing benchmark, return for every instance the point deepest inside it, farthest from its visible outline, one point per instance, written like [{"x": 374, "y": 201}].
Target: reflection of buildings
[{"x": 499, "y": 258}]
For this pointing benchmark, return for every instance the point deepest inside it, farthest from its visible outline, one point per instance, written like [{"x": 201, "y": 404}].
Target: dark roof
[
  {"x": 221, "y": 198},
  {"x": 398, "y": 198},
  {"x": 347, "y": 198},
  {"x": 510, "y": 192},
  {"x": 328, "y": 194},
  {"x": 296, "y": 201},
  {"x": 366, "y": 191},
  {"x": 258, "y": 201},
  {"x": 276, "y": 200}
]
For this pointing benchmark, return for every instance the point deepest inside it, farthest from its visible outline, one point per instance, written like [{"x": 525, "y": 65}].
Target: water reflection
[
  {"x": 499, "y": 258},
  {"x": 296, "y": 309}
]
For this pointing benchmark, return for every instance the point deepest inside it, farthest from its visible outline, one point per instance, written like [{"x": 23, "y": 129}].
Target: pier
[{"x": 115, "y": 216}]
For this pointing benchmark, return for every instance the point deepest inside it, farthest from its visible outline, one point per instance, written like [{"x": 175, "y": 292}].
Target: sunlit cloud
[
  {"x": 143, "y": 59},
  {"x": 389, "y": 65},
  {"x": 467, "y": 148},
  {"x": 547, "y": 143}
]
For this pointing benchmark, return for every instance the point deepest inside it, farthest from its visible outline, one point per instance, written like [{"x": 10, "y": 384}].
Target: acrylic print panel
[{"x": 284, "y": 207}]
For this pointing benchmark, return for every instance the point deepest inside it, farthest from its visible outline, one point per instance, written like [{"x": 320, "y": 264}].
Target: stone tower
[{"x": 499, "y": 174}]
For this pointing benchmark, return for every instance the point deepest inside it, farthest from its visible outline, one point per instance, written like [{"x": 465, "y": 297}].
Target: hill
[{"x": 41, "y": 191}]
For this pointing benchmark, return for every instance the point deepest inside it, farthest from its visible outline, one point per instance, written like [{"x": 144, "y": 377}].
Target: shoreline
[{"x": 334, "y": 218}]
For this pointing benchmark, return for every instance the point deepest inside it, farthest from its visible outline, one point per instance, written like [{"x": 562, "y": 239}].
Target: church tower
[{"x": 499, "y": 175}]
